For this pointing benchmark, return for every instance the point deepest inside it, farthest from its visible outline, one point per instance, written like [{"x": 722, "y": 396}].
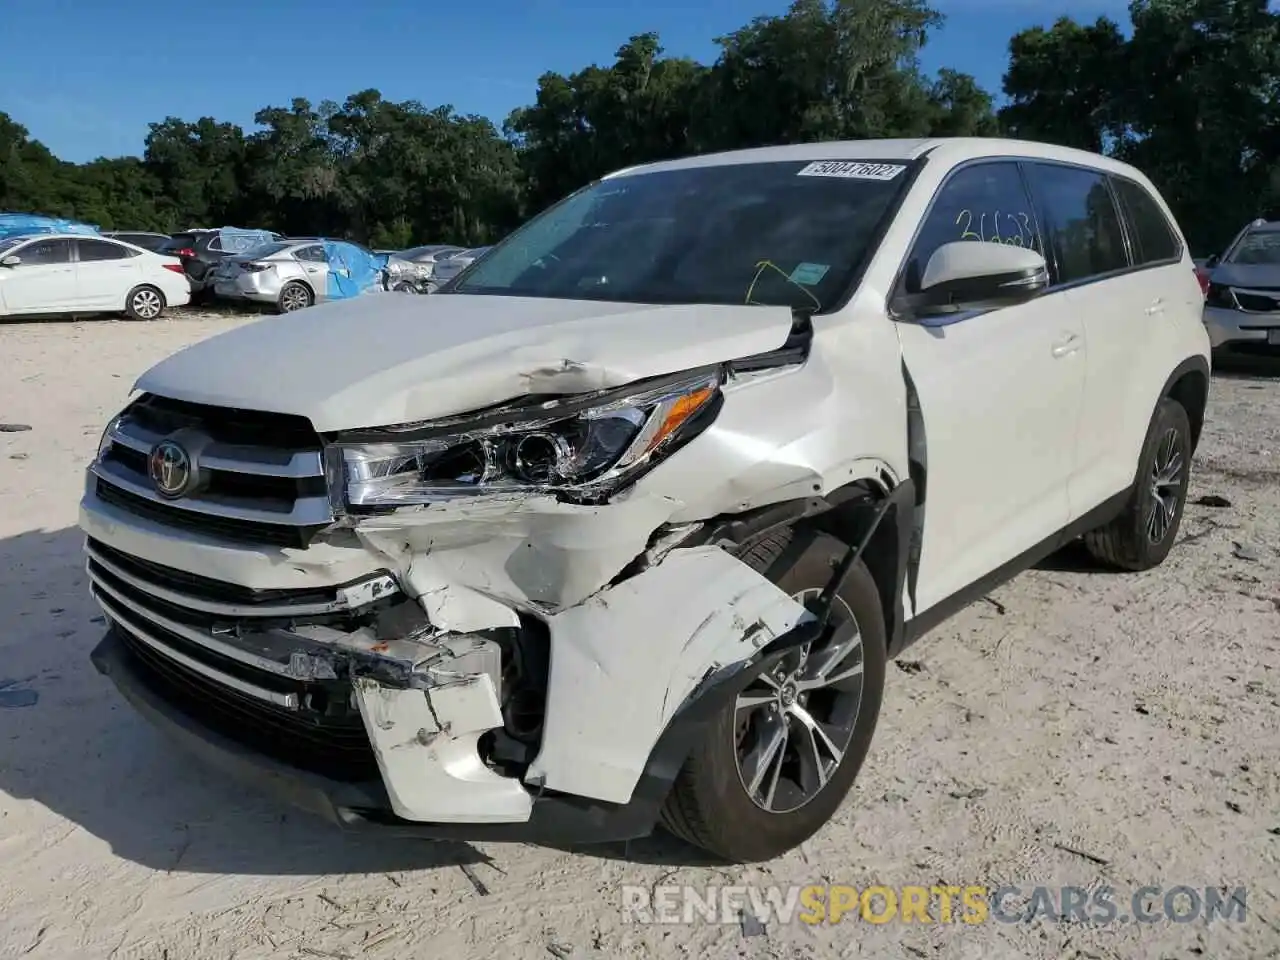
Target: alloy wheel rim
[
  {"x": 146, "y": 304},
  {"x": 794, "y": 722},
  {"x": 1168, "y": 470},
  {"x": 294, "y": 299}
]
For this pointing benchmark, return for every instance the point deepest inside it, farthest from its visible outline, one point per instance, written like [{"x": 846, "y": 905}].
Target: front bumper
[
  {"x": 1233, "y": 329},
  {"x": 553, "y": 819}
]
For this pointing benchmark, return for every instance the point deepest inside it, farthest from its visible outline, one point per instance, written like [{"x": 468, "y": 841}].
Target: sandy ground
[{"x": 1078, "y": 728}]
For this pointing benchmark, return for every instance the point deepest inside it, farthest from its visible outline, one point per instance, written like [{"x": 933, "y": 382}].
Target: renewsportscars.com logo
[{"x": 935, "y": 904}]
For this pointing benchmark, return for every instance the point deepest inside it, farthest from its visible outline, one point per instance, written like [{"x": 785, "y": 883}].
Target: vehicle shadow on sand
[{"x": 70, "y": 742}]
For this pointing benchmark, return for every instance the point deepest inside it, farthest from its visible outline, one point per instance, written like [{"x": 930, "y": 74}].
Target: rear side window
[
  {"x": 92, "y": 251},
  {"x": 1153, "y": 238},
  {"x": 310, "y": 254},
  {"x": 986, "y": 202},
  {"x": 1079, "y": 219}
]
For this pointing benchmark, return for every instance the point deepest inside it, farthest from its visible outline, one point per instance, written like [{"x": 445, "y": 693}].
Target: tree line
[{"x": 1190, "y": 93}]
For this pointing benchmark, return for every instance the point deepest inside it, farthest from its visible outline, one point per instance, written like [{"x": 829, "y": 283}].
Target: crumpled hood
[
  {"x": 1246, "y": 275},
  {"x": 394, "y": 358}
]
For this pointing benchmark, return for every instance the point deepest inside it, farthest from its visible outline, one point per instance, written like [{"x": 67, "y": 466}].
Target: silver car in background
[
  {"x": 1242, "y": 300},
  {"x": 289, "y": 275},
  {"x": 446, "y": 270}
]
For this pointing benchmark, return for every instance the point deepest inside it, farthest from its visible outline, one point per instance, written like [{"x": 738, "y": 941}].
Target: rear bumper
[
  {"x": 555, "y": 819},
  {"x": 236, "y": 290}
]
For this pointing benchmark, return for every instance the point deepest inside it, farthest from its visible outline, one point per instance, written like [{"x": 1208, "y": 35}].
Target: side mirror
[
  {"x": 11, "y": 261},
  {"x": 1213, "y": 261},
  {"x": 979, "y": 275}
]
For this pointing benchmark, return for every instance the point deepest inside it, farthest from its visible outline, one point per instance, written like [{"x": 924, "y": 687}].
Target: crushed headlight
[{"x": 565, "y": 446}]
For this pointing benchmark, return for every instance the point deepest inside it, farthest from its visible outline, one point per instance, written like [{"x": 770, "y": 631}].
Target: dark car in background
[
  {"x": 200, "y": 251},
  {"x": 140, "y": 238}
]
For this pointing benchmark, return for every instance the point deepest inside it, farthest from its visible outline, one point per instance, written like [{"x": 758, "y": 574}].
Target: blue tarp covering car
[
  {"x": 240, "y": 240},
  {"x": 21, "y": 224},
  {"x": 353, "y": 270}
]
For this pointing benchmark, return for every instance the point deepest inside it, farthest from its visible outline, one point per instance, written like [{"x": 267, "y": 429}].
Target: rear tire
[
  {"x": 1142, "y": 536},
  {"x": 730, "y": 799},
  {"x": 144, "y": 302},
  {"x": 294, "y": 296}
]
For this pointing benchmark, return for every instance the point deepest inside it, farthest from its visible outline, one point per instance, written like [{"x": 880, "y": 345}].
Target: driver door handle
[{"x": 1068, "y": 345}]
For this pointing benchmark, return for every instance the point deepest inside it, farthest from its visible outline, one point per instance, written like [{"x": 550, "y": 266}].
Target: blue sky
[{"x": 87, "y": 76}]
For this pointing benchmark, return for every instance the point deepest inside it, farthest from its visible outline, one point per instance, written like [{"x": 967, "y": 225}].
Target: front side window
[
  {"x": 1153, "y": 238},
  {"x": 1259, "y": 247},
  {"x": 1079, "y": 220},
  {"x": 984, "y": 202},
  {"x": 785, "y": 234},
  {"x": 44, "y": 253},
  {"x": 95, "y": 250}
]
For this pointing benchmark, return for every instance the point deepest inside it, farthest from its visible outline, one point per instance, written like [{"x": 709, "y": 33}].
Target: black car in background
[
  {"x": 143, "y": 239},
  {"x": 200, "y": 251}
]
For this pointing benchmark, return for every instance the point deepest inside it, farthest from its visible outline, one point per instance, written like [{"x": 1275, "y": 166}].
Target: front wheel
[{"x": 778, "y": 761}]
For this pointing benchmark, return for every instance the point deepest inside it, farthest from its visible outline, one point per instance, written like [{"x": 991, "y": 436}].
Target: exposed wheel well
[{"x": 1191, "y": 391}]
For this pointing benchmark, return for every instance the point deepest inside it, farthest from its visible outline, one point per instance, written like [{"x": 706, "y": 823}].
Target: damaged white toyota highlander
[{"x": 621, "y": 527}]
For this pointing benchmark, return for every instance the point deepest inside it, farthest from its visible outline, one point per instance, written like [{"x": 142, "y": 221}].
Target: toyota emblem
[{"x": 170, "y": 468}]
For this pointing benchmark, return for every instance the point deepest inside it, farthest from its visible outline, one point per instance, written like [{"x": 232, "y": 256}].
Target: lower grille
[{"x": 335, "y": 748}]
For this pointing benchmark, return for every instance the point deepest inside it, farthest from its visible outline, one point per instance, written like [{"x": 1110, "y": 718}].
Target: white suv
[{"x": 623, "y": 526}]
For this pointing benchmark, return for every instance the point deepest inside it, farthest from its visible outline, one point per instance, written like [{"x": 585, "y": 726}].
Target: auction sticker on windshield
[{"x": 852, "y": 170}]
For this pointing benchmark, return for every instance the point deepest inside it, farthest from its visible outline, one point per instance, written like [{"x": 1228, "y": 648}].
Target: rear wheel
[
  {"x": 144, "y": 303},
  {"x": 294, "y": 296},
  {"x": 776, "y": 764},
  {"x": 1142, "y": 536}
]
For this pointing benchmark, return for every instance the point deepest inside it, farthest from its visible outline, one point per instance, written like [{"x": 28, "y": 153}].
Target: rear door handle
[
  {"x": 1157, "y": 306},
  {"x": 1066, "y": 346}
]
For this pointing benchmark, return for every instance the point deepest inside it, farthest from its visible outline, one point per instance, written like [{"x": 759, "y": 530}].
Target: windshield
[
  {"x": 1258, "y": 248},
  {"x": 781, "y": 234}
]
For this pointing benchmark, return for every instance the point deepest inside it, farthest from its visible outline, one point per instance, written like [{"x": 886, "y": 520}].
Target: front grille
[
  {"x": 225, "y": 656},
  {"x": 261, "y": 477},
  {"x": 339, "y": 750},
  {"x": 1258, "y": 301}
]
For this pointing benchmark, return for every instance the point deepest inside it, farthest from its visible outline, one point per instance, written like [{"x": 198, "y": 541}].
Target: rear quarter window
[{"x": 1154, "y": 239}]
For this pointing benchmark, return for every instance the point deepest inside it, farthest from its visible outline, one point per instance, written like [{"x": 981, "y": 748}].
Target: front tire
[
  {"x": 1142, "y": 536},
  {"x": 779, "y": 760},
  {"x": 144, "y": 303}
]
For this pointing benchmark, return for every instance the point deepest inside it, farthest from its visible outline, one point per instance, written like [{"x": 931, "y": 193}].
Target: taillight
[
  {"x": 1203, "y": 277},
  {"x": 185, "y": 252},
  {"x": 175, "y": 267},
  {"x": 254, "y": 267}
]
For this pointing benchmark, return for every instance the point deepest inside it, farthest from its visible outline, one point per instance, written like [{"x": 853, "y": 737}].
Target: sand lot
[{"x": 1078, "y": 728}]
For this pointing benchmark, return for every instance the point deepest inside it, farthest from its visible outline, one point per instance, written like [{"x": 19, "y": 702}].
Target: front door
[
  {"x": 43, "y": 280},
  {"x": 999, "y": 393}
]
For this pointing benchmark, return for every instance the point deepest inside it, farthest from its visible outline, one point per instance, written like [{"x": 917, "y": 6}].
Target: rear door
[
  {"x": 315, "y": 265},
  {"x": 43, "y": 281},
  {"x": 999, "y": 392},
  {"x": 105, "y": 273},
  {"x": 1099, "y": 264}
]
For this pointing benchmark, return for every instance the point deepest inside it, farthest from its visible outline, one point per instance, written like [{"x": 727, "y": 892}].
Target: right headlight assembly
[{"x": 585, "y": 447}]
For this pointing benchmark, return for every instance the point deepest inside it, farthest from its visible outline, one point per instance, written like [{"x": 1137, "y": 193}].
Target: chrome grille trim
[
  {"x": 230, "y": 458},
  {"x": 345, "y": 599},
  {"x": 288, "y": 701},
  {"x": 306, "y": 511}
]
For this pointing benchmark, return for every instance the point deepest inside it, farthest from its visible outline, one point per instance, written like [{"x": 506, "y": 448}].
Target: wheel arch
[{"x": 1188, "y": 385}]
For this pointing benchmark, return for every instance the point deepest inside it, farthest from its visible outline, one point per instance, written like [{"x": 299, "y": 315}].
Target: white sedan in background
[{"x": 75, "y": 273}]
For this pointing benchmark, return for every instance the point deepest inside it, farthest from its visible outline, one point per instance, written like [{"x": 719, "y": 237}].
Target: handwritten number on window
[{"x": 1023, "y": 237}]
